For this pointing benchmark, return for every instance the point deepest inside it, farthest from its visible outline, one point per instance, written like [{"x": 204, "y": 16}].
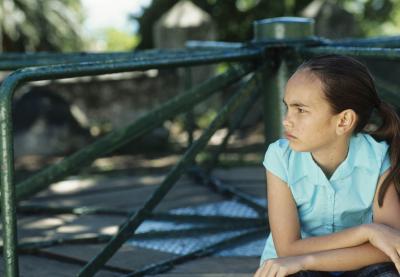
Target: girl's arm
[
  {"x": 285, "y": 226},
  {"x": 345, "y": 259},
  {"x": 383, "y": 234}
]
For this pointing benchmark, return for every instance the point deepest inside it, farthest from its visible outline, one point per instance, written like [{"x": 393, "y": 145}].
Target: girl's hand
[
  {"x": 281, "y": 267},
  {"x": 386, "y": 239}
]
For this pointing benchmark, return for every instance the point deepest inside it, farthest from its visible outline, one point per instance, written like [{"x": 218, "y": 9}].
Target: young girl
[{"x": 333, "y": 185}]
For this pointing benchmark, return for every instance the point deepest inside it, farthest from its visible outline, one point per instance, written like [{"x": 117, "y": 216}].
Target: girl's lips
[{"x": 289, "y": 136}]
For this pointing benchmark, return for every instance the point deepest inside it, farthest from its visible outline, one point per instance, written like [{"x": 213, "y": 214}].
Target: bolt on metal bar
[
  {"x": 201, "y": 44},
  {"x": 206, "y": 251},
  {"x": 119, "y": 137},
  {"x": 287, "y": 42},
  {"x": 379, "y": 53},
  {"x": 136, "y": 219}
]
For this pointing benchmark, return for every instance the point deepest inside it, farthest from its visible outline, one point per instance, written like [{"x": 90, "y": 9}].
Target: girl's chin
[{"x": 295, "y": 146}]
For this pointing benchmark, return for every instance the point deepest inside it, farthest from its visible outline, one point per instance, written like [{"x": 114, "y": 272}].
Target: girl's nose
[{"x": 287, "y": 122}]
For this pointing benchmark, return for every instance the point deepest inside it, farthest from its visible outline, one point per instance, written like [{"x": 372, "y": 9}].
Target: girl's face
[{"x": 309, "y": 123}]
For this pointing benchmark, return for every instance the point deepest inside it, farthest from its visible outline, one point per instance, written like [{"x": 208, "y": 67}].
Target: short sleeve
[
  {"x": 385, "y": 164},
  {"x": 274, "y": 161}
]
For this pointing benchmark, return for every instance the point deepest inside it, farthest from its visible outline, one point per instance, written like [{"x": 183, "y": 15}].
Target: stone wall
[{"x": 60, "y": 117}]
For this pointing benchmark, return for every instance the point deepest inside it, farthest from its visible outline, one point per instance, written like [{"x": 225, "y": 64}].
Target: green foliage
[
  {"x": 41, "y": 25},
  {"x": 119, "y": 41},
  {"x": 375, "y": 17},
  {"x": 234, "y": 18}
]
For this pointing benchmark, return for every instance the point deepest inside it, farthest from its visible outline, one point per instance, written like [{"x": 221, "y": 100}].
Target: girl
[{"x": 333, "y": 185}]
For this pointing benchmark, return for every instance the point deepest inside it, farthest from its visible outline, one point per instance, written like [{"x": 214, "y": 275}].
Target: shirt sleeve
[
  {"x": 274, "y": 161},
  {"x": 385, "y": 164}
]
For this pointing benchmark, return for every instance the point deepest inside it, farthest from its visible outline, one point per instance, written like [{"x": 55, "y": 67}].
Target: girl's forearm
[
  {"x": 345, "y": 259},
  {"x": 347, "y": 238}
]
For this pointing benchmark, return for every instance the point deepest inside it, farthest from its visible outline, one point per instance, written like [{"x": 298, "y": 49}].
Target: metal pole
[
  {"x": 280, "y": 28},
  {"x": 8, "y": 207}
]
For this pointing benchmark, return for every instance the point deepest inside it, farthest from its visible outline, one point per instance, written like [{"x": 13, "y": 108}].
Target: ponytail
[{"x": 389, "y": 131}]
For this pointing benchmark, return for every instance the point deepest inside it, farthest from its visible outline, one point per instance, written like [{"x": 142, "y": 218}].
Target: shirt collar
[{"x": 360, "y": 155}]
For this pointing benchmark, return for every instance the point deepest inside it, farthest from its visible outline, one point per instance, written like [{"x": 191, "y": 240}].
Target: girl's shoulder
[
  {"x": 277, "y": 158},
  {"x": 366, "y": 142},
  {"x": 279, "y": 148}
]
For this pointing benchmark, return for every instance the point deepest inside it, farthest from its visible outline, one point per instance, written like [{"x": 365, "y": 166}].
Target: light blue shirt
[{"x": 326, "y": 206}]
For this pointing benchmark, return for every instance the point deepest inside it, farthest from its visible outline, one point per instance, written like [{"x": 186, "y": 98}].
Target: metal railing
[{"x": 255, "y": 65}]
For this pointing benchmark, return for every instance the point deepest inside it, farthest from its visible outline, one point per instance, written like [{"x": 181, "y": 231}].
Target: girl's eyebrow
[{"x": 295, "y": 104}]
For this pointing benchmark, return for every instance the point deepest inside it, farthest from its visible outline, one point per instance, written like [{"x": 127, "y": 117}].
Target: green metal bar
[
  {"x": 9, "y": 85},
  {"x": 8, "y": 207},
  {"x": 117, "y": 138},
  {"x": 206, "y": 251},
  {"x": 381, "y": 53},
  {"x": 202, "y": 177},
  {"x": 272, "y": 112},
  {"x": 388, "y": 91},
  {"x": 142, "y": 59},
  {"x": 233, "y": 126},
  {"x": 136, "y": 219},
  {"x": 189, "y": 117},
  {"x": 389, "y": 42},
  {"x": 153, "y": 53}
]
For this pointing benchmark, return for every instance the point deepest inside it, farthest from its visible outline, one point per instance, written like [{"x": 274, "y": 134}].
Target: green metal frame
[
  {"x": 11, "y": 193},
  {"x": 258, "y": 72}
]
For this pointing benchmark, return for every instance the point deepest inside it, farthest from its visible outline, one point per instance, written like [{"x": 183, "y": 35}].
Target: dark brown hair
[{"x": 348, "y": 84}]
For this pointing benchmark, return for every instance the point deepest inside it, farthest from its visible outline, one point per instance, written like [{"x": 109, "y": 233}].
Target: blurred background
[
  {"x": 101, "y": 25},
  {"x": 55, "y": 118}
]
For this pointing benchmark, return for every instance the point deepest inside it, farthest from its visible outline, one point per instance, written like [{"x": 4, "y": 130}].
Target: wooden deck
[{"x": 128, "y": 193}]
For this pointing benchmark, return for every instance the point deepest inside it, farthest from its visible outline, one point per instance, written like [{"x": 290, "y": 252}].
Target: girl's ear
[{"x": 347, "y": 120}]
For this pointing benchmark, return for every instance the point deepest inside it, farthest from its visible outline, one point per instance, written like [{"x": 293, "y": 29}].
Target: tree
[
  {"x": 40, "y": 25},
  {"x": 234, "y": 18}
]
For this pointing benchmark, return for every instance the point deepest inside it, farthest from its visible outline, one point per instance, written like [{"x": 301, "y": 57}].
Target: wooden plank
[
  {"x": 256, "y": 189},
  {"x": 181, "y": 195},
  {"x": 127, "y": 193},
  {"x": 32, "y": 228},
  {"x": 205, "y": 275},
  {"x": 241, "y": 173},
  {"x": 32, "y": 266},
  {"x": 93, "y": 184},
  {"x": 220, "y": 265},
  {"x": 128, "y": 257},
  {"x": 90, "y": 225}
]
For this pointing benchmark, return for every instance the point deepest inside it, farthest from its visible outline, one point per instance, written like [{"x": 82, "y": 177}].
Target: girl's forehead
[{"x": 305, "y": 87}]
